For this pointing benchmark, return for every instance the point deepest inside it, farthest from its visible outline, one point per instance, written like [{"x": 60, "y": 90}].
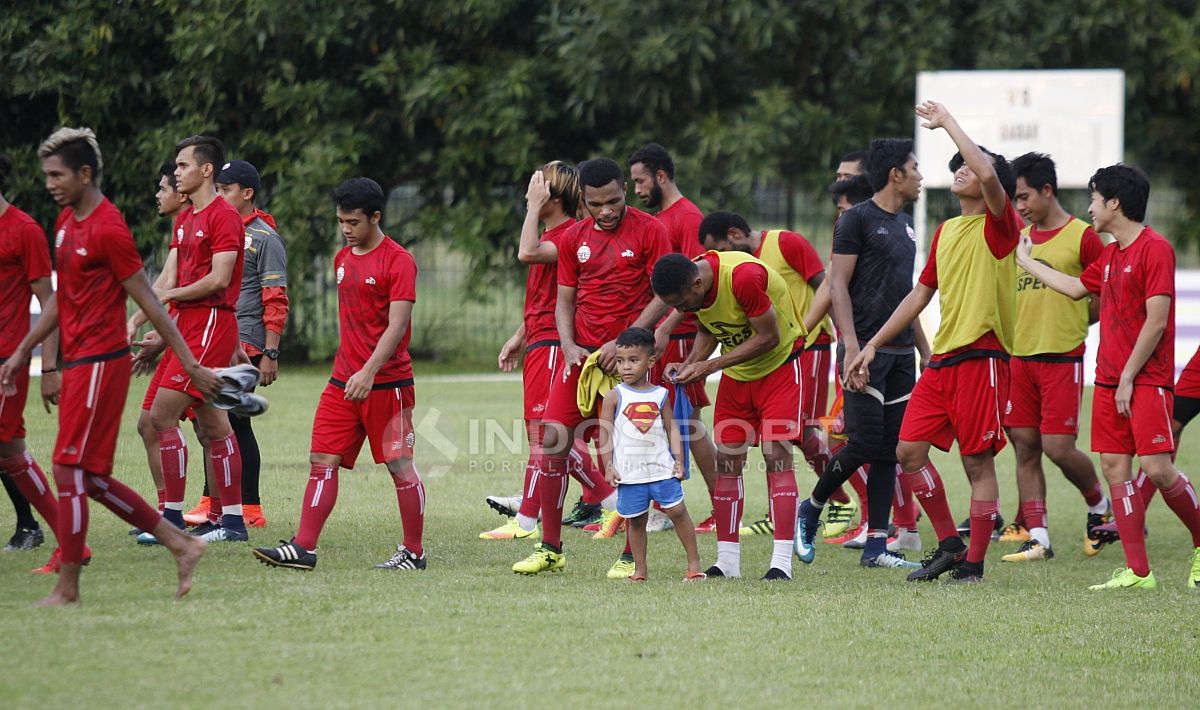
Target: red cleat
[
  {"x": 848, "y": 535},
  {"x": 54, "y": 564},
  {"x": 708, "y": 525}
]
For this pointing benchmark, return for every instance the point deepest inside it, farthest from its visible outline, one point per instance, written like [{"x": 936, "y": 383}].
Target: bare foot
[
  {"x": 57, "y": 598},
  {"x": 185, "y": 561}
]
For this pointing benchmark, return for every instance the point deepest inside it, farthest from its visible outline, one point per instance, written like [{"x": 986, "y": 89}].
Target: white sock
[
  {"x": 610, "y": 502},
  {"x": 526, "y": 523},
  {"x": 781, "y": 556},
  {"x": 1100, "y": 508},
  {"x": 816, "y": 503},
  {"x": 1041, "y": 536},
  {"x": 231, "y": 509},
  {"x": 729, "y": 558}
]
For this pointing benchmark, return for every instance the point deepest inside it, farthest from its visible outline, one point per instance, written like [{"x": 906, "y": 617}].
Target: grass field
[{"x": 468, "y": 632}]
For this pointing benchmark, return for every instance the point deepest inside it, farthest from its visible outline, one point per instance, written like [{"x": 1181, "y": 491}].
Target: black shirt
[{"x": 886, "y": 247}]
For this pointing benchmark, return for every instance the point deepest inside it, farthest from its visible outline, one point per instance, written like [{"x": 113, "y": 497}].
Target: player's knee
[
  {"x": 329, "y": 460},
  {"x": 403, "y": 471},
  {"x": 1159, "y": 469},
  {"x": 92, "y": 486},
  {"x": 910, "y": 456},
  {"x": 1060, "y": 452}
]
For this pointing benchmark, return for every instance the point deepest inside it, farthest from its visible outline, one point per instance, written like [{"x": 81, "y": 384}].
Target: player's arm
[
  {"x": 20, "y": 356},
  {"x": 564, "y": 319},
  {"x": 662, "y": 334},
  {"x": 702, "y": 349},
  {"x": 765, "y": 336},
  {"x": 531, "y": 249},
  {"x": 1067, "y": 285},
  {"x": 651, "y": 314},
  {"x": 143, "y": 295},
  {"x": 924, "y": 352},
  {"x": 608, "y": 410},
  {"x": 358, "y": 386},
  {"x": 675, "y": 441},
  {"x": 166, "y": 280},
  {"x": 856, "y": 372},
  {"x": 215, "y": 280},
  {"x": 819, "y": 308},
  {"x": 841, "y": 270},
  {"x": 44, "y": 291},
  {"x": 1158, "y": 312},
  {"x": 510, "y": 352},
  {"x": 938, "y": 116}
]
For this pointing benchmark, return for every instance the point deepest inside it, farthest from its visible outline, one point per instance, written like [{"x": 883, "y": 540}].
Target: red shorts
[
  {"x": 760, "y": 410},
  {"x": 961, "y": 401},
  {"x": 384, "y": 418},
  {"x": 1044, "y": 395},
  {"x": 562, "y": 406},
  {"x": 212, "y": 336},
  {"x": 152, "y": 390},
  {"x": 814, "y": 366},
  {"x": 12, "y": 409},
  {"x": 1147, "y": 432},
  {"x": 543, "y": 365},
  {"x": 677, "y": 351},
  {"x": 1189, "y": 380},
  {"x": 89, "y": 413}
]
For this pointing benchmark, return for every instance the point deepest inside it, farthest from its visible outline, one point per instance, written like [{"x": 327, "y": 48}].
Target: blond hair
[
  {"x": 77, "y": 147},
  {"x": 563, "y": 181}
]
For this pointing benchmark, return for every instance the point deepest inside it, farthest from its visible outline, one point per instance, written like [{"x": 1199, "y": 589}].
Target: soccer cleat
[
  {"x": 941, "y": 560},
  {"x": 1096, "y": 533},
  {"x": 838, "y": 517},
  {"x": 203, "y": 528},
  {"x": 24, "y": 540},
  {"x": 1030, "y": 551},
  {"x": 708, "y": 525},
  {"x": 905, "y": 540},
  {"x": 224, "y": 534},
  {"x": 758, "y": 527},
  {"x": 966, "y": 573},
  {"x": 776, "y": 575},
  {"x": 658, "y": 521},
  {"x": 582, "y": 514},
  {"x": 288, "y": 554},
  {"x": 235, "y": 393},
  {"x": 543, "y": 559},
  {"x": 860, "y": 529},
  {"x": 611, "y": 523},
  {"x": 888, "y": 560},
  {"x": 509, "y": 531},
  {"x": 964, "y": 528},
  {"x": 253, "y": 516},
  {"x": 504, "y": 505},
  {"x": 858, "y": 542},
  {"x": 1124, "y": 578},
  {"x": 54, "y": 564},
  {"x": 1014, "y": 532},
  {"x": 1194, "y": 574},
  {"x": 806, "y": 533},
  {"x": 623, "y": 568},
  {"x": 199, "y": 514},
  {"x": 713, "y": 572},
  {"x": 404, "y": 559},
  {"x": 146, "y": 539}
]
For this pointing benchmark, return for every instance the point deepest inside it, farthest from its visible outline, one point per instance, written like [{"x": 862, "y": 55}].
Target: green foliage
[{"x": 459, "y": 101}]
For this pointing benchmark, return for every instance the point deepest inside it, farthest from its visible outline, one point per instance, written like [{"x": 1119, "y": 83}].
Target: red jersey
[
  {"x": 682, "y": 220},
  {"x": 610, "y": 272},
  {"x": 367, "y": 285},
  {"x": 198, "y": 235},
  {"x": 93, "y": 256},
  {"x": 1126, "y": 279},
  {"x": 541, "y": 292},
  {"x": 24, "y": 258},
  {"x": 749, "y": 285}
]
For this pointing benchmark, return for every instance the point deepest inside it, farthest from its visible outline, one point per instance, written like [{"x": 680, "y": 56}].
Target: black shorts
[{"x": 1185, "y": 409}]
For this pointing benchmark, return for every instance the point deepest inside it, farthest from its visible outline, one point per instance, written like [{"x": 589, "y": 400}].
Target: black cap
[{"x": 240, "y": 172}]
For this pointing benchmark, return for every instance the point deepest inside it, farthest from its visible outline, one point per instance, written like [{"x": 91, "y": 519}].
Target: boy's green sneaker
[{"x": 1124, "y": 578}]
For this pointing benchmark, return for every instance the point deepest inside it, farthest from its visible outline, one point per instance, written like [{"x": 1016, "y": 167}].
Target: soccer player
[
  {"x": 209, "y": 258},
  {"x": 552, "y": 198},
  {"x": 849, "y": 192},
  {"x": 653, "y": 173},
  {"x": 851, "y": 165},
  {"x": 964, "y": 387},
  {"x": 1135, "y": 365},
  {"x": 870, "y": 273},
  {"x": 97, "y": 266},
  {"x": 24, "y": 273},
  {"x": 370, "y": 395},
  {"x": 604, "y": 266},
  {"x": 1046, "y": 371},
  {"x": 643, "y": 451},
  {"x": 745, "y": 306}
]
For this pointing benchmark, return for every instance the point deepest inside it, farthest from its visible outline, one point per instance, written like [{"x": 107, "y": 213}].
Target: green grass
[{"x": 469, "y": 632}]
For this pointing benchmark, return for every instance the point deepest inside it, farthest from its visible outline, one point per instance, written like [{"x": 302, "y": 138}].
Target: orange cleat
[
  {"x": 54, "y": 564},
  {"x": 253, "y": 516},
  {"x": 199, "y": 514},
  {"x": 848, "y": 535}
]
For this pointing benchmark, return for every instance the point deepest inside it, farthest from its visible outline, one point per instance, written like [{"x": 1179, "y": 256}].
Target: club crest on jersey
[
  {"x": 410, "y": 439},
  {"x": 249, "y": 241},
  {"x": 341, "y": 274},
  {"x": 628, "y": 253},
  {"x": 641, "y": 414},
  {"x": 370, "y": 281},
  {"x": 58, "y": 238},
  {"x": 911, "y": 234},
  {"x": 583, "y": 254},
  {"x": 179, "y": 235}
]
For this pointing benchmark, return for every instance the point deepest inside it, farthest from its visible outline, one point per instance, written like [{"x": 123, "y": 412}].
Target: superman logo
[{"x": 641, "y": 414}]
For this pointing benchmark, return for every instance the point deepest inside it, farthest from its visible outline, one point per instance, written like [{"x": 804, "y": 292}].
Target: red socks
[
  {"x": 172, "y": 451},
  {"x": 727, "y": 507},
  {"x": 122, "y": 500},
  {"x": 319, "y": 499},
  {"x": 858, "y": 481},
  {"x": 582, "y": 467},
  {"x": 1093, "y": 497},
  {"x": 1033, "y": 512},
  {"x": 226, "y": 462},
  {"x": 410, "y": 496},
  {"x": 529, "y": 494},
  {"x": 928, "y": 488},
  {"x": 1181, "y": 498},
  {"x": 1145, "y": 487},
  {"x": 781, "y": 487},
  {"x": 23, "y": 471},
  {"x": 1130, "y": 512},
  {"x": 983, "y": 520},
  {"x": 72, "y": 513},
  {"x": 904, "y": 506},
  {"x": 552, "y": 492}
]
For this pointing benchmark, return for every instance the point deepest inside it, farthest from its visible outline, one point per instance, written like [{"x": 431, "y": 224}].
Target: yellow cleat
[
  {"x": 622, "y": 569},
  {"x": 509, "y": 531},
  {"x": 758, "y": 527},
  {"x": 838, "y": 517},
  {"x": 1124, "y": 578},
  {"x": 1031, "y": 550},
  {"x": 1194, "y": 575},
  {"x": 611, "y": 523},
  {"x": 543, "y": 559},
  {"x": 1015, "y": 532}
]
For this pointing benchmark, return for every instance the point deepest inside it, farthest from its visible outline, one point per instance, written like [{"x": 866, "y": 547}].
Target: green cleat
[
  {"x": 838, "y": 517},
  {"x": 1124, "y": 578},
  {"x": 1194, "y": 576},
  {"x": 582, "y": 514},
  {"x": 543, "y": 559},
  {"x": 622, "y": 569},
  {"x": 509, "y": 531},
  {"x": 758, "y": 527}
]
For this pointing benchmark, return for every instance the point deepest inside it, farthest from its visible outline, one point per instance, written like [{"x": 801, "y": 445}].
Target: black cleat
[
  {"x": 964, "y": 527},
  {"x": 25, "y": 539},
  {"x": 713, "y": 571},
  {"x": 206, "y": 527},
  {"x": 403, "y": 560},
  {"x": 966, "y": 573},
  {"x": 288, "y": 554},
  {"x": 582, "y": 514},
  {"x": 948, "y": 553},
  {"x": 775, "y": 574}
]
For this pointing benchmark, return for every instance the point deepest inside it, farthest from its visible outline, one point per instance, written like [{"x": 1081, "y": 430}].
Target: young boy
[{"x": 643, "y": 452}]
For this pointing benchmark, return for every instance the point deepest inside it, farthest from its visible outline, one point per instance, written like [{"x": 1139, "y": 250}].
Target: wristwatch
[{"x": 272, "y": 353}]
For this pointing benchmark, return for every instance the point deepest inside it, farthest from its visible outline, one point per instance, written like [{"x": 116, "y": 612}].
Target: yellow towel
[{"x": 594, "y": 383}]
